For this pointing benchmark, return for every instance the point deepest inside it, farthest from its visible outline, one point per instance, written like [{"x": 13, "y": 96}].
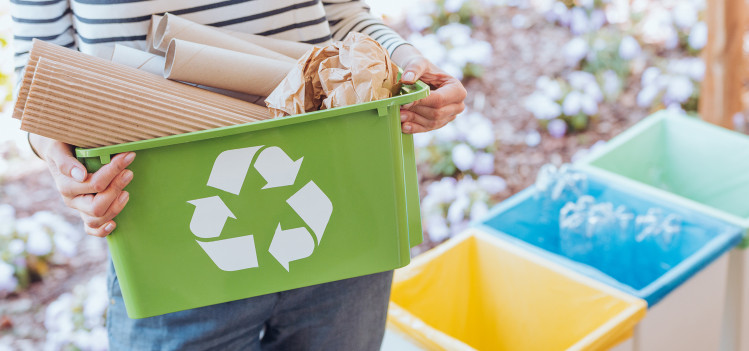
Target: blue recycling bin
[{"x": 642, "y": 268}]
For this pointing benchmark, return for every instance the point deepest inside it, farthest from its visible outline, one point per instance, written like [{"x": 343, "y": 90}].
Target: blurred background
[{"x": 547, "y": 81}]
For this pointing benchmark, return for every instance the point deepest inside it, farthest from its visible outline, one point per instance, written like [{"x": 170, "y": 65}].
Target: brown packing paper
[
  {"x": 356, "y": 70},
  {"x": 155, "y": 19},
  {"x": 76, "y": 59},
  {"x": 155, "y": 64},
  {"x": 225, "y": 69},
  {"x": 174, "y": 27},
  {"x": 76, "y": 99}
]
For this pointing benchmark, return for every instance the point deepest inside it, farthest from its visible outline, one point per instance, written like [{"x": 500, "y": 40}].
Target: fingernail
[
  {"x": 78, "y": 174},
  {"x": 108, "y": 228},
  {"x": 403, "y": 116},
  {"x": 407, "y": 128},
  {"x": 129, "y": 157},
  {"x": 127, "y": 176},
  {"x": 407, "y": 106},
  {"x": 124, "y": 196},
  {"x": 408, "y": 77}
]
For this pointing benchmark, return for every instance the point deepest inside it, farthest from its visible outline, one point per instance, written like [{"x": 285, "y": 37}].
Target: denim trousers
[{"x": 342, "y": 315}]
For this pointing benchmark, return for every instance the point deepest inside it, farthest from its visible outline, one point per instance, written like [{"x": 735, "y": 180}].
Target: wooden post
[{"x": 720, "y": 96}]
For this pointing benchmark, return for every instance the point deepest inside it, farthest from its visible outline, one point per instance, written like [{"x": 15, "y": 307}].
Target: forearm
[
  {"x": 41, "y": 145},
  {"x": 404, "y": 54}
]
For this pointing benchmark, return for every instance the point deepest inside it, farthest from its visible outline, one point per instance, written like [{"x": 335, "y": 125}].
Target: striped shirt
[{"x": 94, "y": 26}]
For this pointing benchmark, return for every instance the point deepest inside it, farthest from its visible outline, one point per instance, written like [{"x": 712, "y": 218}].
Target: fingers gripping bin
[
  {"x": 684, "y": 282},
  {"x": 700, "y": 166},
  {"x": 251, "y": 209},
  {"x": 476, "y": 291}
]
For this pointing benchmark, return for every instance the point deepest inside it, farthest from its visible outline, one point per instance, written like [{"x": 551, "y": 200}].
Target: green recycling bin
[
  {"x": 246, "y": 210},
  {"x": 699, "y": 166}
]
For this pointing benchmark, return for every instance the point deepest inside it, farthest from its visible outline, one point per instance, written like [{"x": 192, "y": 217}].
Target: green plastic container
[{"x": 218, "y": 215}]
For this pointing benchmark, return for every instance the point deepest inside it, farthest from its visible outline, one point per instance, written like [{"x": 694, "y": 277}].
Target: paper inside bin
[{"x": 355, "y": 70}]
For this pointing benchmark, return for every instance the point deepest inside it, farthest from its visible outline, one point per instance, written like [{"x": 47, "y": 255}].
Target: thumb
[
  {"x": 414, "y": 70},
  {"x": 62, "y": 158}
]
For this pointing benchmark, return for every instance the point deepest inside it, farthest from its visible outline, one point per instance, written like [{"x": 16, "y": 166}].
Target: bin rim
[
  {"x": 655, "y": 290},
  {"x": 585, "y": 164},
  {"x": 409, "y": 93},
  {"x": 633, "y": 314}
]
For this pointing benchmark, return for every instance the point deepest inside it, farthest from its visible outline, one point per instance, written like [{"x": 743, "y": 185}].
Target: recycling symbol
[{"x": 279, "y": 170}]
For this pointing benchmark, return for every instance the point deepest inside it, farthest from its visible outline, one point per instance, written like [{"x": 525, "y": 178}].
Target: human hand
[
  {"x": 98, "y": 197},
  {"x": 443, "y": 103}
]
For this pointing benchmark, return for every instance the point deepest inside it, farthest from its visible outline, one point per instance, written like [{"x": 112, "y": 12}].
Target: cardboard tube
[
  {"x": 141, "y": 60},
  {"x": 247, "y": 111},
  {"x": 225, "y": 69},
  {"x": 155, "y": 19},
  {"x": 174, "y": 27},
  {"x": 289, "y": 48},
  {"x": 155, "y": 64}
]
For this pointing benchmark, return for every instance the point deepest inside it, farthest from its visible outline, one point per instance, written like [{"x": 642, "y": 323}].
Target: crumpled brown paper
[{"x": 352, "y": 71}]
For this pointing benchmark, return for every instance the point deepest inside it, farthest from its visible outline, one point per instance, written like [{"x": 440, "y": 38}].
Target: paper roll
[
  {"x": 289, "y": 48},
  {"x": 225, "y": 69},
  {"x": 248, "y": 112},
  {"x": 174, "y": 27},
  {"x": 155, "y": 19},
  {"x": 141, "y": 60}
]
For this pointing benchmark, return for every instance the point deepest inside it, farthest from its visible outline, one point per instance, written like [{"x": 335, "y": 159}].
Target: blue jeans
[{"x": 342, "y": 315}]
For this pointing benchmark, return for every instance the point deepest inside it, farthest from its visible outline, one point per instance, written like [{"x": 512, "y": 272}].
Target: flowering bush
[
  {"x": 565, "y": 105},
  {"x": 465, "y": 145},
  {"x": 453, "y": 49},
  {"x": 675, "y": 84},
  {"x": 75, "y": 321},
  {"x": 29, "y": 245},
  {"x": 449, "y": 204}
]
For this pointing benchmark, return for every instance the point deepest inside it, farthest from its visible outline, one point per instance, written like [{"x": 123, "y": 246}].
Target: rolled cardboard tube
[
  {"x": 155, "y": 64},
  {"x": 289, "y": 48},
  {"x": 220, "y": 68},
  {"x": 247, "y": 112},
  {"x": 155, "y": 19},
  {"x": 173, "y": 27}
]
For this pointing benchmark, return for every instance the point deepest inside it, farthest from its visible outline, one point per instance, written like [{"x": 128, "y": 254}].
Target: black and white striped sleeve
[
  {"x": 48, "y": 20},
  {"x": 346, "y": 16}
]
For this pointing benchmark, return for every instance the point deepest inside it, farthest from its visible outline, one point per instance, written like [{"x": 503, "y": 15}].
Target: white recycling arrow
[
  {"x": 313, "y": 206},
  {"x": 291, "y": 245},
  {"x": 277, "y": 167},
  {"x": 230, "y": 169},
  {"x": 232, "y": 254},
  {"x": 209, "y": 217}
]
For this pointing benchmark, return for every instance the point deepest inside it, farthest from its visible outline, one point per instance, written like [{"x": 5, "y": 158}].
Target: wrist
[{"x": 404, "y": 54}]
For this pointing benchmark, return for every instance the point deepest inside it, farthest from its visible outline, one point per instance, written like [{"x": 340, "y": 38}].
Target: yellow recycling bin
[{"x": 478, "y": 292}]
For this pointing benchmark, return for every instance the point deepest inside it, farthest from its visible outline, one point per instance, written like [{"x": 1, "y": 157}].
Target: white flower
[
  {"x": 685, "y": 14},
  {"x": 452, "y": 69},
  {"x": 8, "y": 281},
  {"x": 676, "y": 109},
  {"x": 453, "y": 5},
  {"x": 579, "y": 23},
  {"x": 447, "y": 133},
  {"x": 465, "y": 187},
  {"x": 484, "y": 163},
  {"x": 479, "y": 210},
  {"x": 418, "y": 22},
  {"x": 429, "y": 45},
  {"x": 698, "y": 36},
  {"x": 456, "y": 213},
  {"x": 7, "y": 219},
  {"x": 588, "y": 105},
  {"x": 549, "y": 87},
  {"x": 557, "y": 128},
  {"x": 481, "y": 136},
  {"x": 696, "y": 69},
  {"x": 422, "y": 140},
  {"x": 580, "y": 80},
  {"x": 647, "y": 95},
  {"x": 16, "y": 247},
  {"x": 463, "y": 157},
  {"x": 574, "y": 51},
  {"x": 679, "y": 89},
  {"x": 98, "y": 339},
  {"x": 443, "y": 190},
  {"x": 533, "y": 138},
  {"x": 588, "y": 4},
  {"x": 437, "y": 228},
  {"x": 611, "y": 84},
  {"x": 492, "y": 184},
  {"x": 479, "y": 51},
  {"x": 457, "y": 34},
  {"x": 59, "y": 314},
  {"x": 629, "y": 48},
  {"x": 542, "y": 106},
  {"x": 39, "y": 243},
  {"x": 649, "y": 76},
  {"x": 520, "y": 21},
  {"x": 597, "y": 19},
  {"x": 572, "y": 103},
  {"x": 559, "y": 13}
]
